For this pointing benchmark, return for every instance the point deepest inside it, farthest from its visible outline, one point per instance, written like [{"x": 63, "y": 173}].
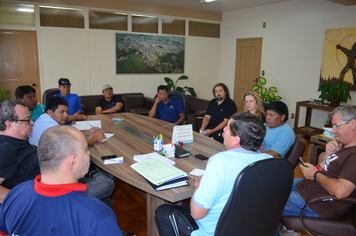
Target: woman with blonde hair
[{"x": 253, "y": 104}]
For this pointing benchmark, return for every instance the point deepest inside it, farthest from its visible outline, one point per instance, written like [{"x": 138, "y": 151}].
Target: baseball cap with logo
[
  {"x": 106, "y": 86},
  {"x": 63, "y": 81}
]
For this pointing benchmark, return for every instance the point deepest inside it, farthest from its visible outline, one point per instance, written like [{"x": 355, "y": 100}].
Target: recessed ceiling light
[
  {"x": 22, "y": 9},
  {"x": 207, "y": 0}
]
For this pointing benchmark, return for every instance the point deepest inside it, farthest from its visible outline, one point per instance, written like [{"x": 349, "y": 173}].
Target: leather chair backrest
[
  {"x": 257, "y": 200},
  {"x": 296, "y": 150},
  {"x": 182, "y": 98},
  {"x": 48, "y": 94}
]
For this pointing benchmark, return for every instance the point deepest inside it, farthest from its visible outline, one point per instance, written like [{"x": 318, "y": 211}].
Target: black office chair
[
  {"x": 257, "y": 200},
  {"x": 183, "y": 99},
  {"x": 48, "y": 94}
]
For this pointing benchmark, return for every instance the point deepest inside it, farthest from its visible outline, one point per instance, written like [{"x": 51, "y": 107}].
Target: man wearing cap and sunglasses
[
  {"x": 74, "y": 105},
  {"x": 109, "y": 103}
]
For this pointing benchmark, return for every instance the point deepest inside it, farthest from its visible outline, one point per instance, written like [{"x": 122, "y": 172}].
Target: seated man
[
  {"x": 166, "y": 108},
  {"x": 55, "y": 200},
  {"x": 74, "y": 105},
  {"x": 56, "y": 114},
  {"x": 19, "y": 161},
  {"x": 243, "y": 136},
  {"x": 109, "y": 103},
  {"x": 279, "y": 135},
  {"x": 27, "y": 94},
  {"x": 218, "y": 113},
  {"x": 335, "y": 173}
]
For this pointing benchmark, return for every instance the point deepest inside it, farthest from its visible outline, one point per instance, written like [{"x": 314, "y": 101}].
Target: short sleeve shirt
[
  {"x": 342, "y": 165},
  {"x": 38, "y": 111},
  {"x": 74, "y": 104},
  {"x": 40, "y": 126},
  {"x": 217, "y": 183},
  {"x": 169, "y": 111},
  {"x": 220, "y": 112},
  {"x": 278, "y": 139},
  {"x": 110, "y": 104}
]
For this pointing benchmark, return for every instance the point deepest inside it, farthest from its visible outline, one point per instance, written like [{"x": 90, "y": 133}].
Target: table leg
[{"x": 152, "y": 203}]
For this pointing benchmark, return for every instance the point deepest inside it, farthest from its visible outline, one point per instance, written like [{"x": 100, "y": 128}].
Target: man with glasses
[
  {"x": 335, "y": 173},
  {"x": 18, "y": 161}
]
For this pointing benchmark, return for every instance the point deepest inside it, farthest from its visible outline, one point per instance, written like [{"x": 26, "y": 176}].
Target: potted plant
[
  {"x": 267, "y": 95},
  {"x": 173, "y": 86},
  {"x": 335, "y": 93},
  {"x": 4, "y": 94}
]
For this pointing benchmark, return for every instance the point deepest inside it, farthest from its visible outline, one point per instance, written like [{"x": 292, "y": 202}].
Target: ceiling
[{"x": 224, "y": 5}]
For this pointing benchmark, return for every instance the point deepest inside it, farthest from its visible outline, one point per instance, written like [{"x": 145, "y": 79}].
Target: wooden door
[
  {"x": 19, "y": 60},
  {"x": 247, "y": 67}
]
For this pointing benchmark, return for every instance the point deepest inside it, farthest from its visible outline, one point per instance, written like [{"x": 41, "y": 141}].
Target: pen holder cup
[{"x": 157, "y": 144}]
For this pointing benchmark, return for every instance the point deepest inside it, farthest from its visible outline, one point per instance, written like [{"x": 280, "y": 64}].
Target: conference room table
[{"x": 134, "y": 136}]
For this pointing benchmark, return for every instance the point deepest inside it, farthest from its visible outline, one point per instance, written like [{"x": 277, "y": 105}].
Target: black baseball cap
[{"x": 63, "y": 81}]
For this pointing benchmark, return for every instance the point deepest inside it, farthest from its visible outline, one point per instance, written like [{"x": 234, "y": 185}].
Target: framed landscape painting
[
  {"x": 339, "y": 57},
  {"x": 141, "y": 53}
]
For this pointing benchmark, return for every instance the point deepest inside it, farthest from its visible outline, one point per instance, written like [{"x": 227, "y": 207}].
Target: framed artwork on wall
[
  {"x": 339, "y": 57},
  {"x": 142, "y": 53}
]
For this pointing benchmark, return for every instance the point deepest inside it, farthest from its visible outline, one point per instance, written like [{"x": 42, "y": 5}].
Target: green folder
[{"x": 158, "y": 172}]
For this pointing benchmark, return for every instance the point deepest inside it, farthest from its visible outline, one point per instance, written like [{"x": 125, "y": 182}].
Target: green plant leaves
[
  {"x": 273, "y": 89},
  {"x": 331, "y": 92},
  {"x": 262, "y": 80},
  {"x": 256, "y": 87},
  {"x": 170, "y": 84}
]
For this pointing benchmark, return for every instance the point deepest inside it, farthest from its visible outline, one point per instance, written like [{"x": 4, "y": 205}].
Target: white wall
[
  {"x": 87, "y": 58},
  {"x": 292, "y": 46}
]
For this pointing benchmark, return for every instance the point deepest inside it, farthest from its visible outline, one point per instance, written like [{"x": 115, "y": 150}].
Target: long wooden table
[{"x": 133, "y": 141}]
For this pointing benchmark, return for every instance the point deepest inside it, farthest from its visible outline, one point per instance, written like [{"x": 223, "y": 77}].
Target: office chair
[
  {"x": 344, "y": 225},
  {"x": 257, "y": 200},
  {"x": 296, "y": 150},
  {"x": 180, "y": 96},
  {"x": 48, "y": 94}
]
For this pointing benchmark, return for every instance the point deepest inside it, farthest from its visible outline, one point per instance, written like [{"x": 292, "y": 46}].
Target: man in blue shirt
[
  {"x": 243, "y": 136},
  {"x": 74, "y": 105},
  {"x": 279, "y": 135},
  {"x": 166, "y": 108}
]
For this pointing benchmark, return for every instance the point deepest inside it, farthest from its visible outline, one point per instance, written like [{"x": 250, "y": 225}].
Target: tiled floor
[{"x": 130, "y": 207}]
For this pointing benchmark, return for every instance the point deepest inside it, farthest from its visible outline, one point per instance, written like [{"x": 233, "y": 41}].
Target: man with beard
[
  {"x": 218, "y": 113},
  {"x": 166, "y": 108}
]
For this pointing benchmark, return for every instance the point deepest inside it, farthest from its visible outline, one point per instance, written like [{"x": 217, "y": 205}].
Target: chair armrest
[
  {"x": 185, "y": 216},
  {"x": 322, "y": 198},
  {"x": 329, "y": 198},
  {"x": 199, "y": 114}
]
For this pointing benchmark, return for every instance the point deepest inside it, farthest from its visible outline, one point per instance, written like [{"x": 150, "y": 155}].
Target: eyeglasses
[
  {"x": 28, "y": 121},
  {"x": 335, "y": 126}
]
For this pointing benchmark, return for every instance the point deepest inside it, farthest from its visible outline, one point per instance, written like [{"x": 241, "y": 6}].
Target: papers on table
[
  {"x": 114, "y": 160},
  {"x": 197, "y": 172},
  {"x": 153, "y": 155},
  {"x": 107, "y": 137},
  {"x": 158, "y": 172},
  {"x": 88, "y": 124}
]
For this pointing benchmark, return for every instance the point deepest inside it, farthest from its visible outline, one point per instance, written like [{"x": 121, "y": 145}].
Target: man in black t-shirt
[
  {"x": 218, "y": 113},
  {"x": 109, "y": 103},
  {"x": 18, "y": 162}
]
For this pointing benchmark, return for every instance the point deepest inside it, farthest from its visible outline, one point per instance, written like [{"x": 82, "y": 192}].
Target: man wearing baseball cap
[
  {"x": 74, "y": 105},
  {"x": 109, "y": 103}
]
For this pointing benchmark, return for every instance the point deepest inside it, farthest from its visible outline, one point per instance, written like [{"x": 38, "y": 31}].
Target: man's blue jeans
[{"x": 296, "y": 203}]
